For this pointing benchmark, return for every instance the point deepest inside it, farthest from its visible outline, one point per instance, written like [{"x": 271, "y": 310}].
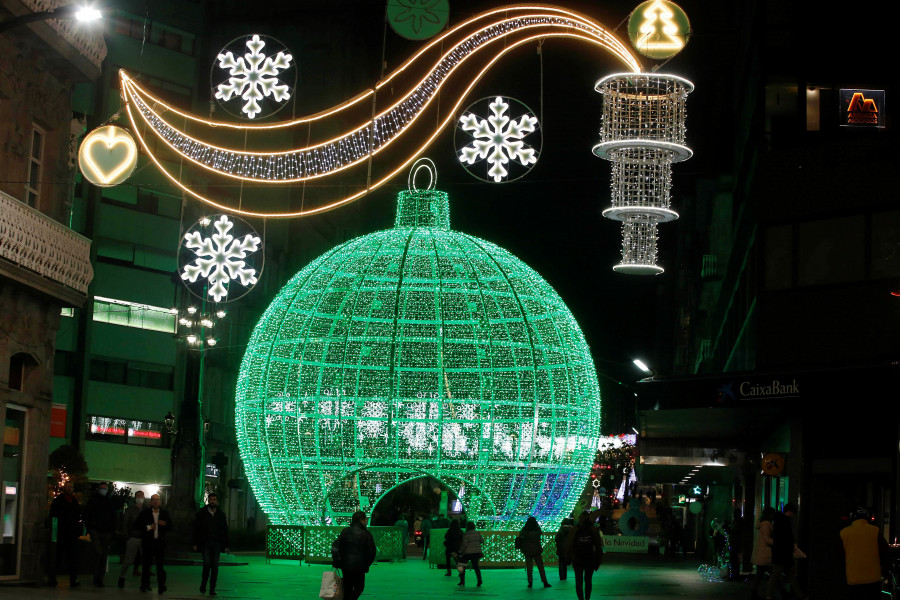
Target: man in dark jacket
[
  {"x": 210, "y": 539},
  {"x": 783, "y": 552},
  {"x": 427, "y": 524},
  {"x": 356, "y": 548},
  {"x": 154, "y": 524},
  {"x": 65, "y": 521},
  {"x": 100, "y": 521}
]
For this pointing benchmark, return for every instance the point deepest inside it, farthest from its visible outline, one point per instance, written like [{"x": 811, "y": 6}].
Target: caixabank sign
[
  {"x": 757, "y": 389},
  {"x": 862, "y": 108}
]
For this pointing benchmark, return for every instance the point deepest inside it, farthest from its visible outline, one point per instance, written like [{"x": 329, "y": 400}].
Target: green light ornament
[{"x": 411, "y": 352}]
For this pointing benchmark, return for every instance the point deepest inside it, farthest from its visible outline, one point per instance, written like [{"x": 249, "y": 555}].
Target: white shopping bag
[{"x": 332, "y": 588}]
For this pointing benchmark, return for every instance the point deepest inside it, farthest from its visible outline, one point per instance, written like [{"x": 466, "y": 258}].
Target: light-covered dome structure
[{"x": 418, "y": 351}]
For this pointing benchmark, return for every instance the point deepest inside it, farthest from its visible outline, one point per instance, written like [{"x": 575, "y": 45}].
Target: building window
[
  {"x": 131, "y": 314},
  {"x": 35, "y": 159},
  {"x": 124, "y": 431},
  {"x": 144, "y": 375},
  {"x": 22, "y": 370}
]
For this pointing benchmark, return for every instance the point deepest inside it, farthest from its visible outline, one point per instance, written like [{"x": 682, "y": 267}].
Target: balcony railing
[
  {"x": 88, "y": 41},
  {"x": 34, "y": 241}
]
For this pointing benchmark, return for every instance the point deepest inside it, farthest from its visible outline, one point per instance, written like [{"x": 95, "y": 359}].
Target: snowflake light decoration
[
  {"x": 253, "y": 76},
  {"x": 220, "y": 258},
  {"x": 499, "y": 138}
]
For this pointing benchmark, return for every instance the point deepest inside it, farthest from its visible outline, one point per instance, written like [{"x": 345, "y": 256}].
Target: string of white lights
[{"x": 351, "y": 148}]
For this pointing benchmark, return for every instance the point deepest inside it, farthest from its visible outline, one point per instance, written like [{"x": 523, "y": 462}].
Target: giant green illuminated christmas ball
[{"x": 418, "y": 351}]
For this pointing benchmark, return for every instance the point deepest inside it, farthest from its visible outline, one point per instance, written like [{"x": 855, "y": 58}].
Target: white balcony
[{"x": 44, "y": 254}]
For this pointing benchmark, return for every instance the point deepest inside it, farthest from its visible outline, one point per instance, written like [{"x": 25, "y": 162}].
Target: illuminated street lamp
[
  {"x": 78, "y": 12},
  {"x": 642, "y": 366}
]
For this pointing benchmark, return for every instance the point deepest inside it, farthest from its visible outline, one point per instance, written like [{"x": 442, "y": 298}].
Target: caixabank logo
[{"x": 862, "y": 108}]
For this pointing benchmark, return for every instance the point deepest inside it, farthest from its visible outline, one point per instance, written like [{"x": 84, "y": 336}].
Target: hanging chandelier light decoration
[{"x": 642, "y": 134}]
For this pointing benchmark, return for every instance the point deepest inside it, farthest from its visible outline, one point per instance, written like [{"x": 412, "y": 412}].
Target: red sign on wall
[{"x": 58, "y": 420}]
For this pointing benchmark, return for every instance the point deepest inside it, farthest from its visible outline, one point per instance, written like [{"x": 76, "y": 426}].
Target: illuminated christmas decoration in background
[
  {"x": 643, "y": 133},
  {"x": 417, "y": 351},
  {"x": 253, "y": 76},
  {"x": 659, "y": 29},
  {"x": 418, "y": 100},
  {"x": 418, "y": 19},
  {"x": 613, "y": 466},
  {"x": 107, "y": 156},
  {"x": 220, "y": 259},
  {"x": 498, "y": 139}
]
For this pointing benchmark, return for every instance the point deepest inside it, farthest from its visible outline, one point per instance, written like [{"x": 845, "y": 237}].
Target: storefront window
[
  {"x": 125, "y": 431},
  {"x": 13, "y": 445}
]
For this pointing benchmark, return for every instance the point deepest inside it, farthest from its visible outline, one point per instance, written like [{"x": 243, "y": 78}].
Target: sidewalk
[{"x": 622, "y": 577}]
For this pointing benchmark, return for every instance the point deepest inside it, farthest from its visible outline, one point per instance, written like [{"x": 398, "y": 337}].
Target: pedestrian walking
[
  {"x": 783, "y": 548},
  {"x": 529, "y": 543},
  {"x": 100, "y": 521},
  {"x": 154, "y": 524},
  {"x": 865, "y": 555},
  {"x": 210, "y": 539},
  {"x": 561, "y": 538},
  {"x": 442, "y": 522},
  {"x": 402, "y": 526},
  {"x": 66, "y": 527},
  {"x": 470, "y": 552},
  {"x": 132, "y": 538},
  {"x": 426, "y": 526},
  {"x": 584, "y": 546},
  {"x": 356, "y": 548},
  {"x": 452, "y": 541},
  {"x": 762, "y": 550}
]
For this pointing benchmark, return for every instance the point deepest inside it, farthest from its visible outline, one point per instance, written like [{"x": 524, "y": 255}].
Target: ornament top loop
[{"x": 428, "y": 165}]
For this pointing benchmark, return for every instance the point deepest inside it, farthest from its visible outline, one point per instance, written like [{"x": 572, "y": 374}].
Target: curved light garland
[{"x": 470, "y": 45}]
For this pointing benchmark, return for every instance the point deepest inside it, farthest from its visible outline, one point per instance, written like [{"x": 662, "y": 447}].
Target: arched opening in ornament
[{"x": 385, "y": 492}]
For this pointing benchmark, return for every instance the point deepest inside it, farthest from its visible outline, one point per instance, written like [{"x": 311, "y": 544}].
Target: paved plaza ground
[{"x": 622, "y": 576}]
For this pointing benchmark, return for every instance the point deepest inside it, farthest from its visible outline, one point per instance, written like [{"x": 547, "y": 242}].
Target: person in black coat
[
  {"x": 452, "y": 539},
  {"x": 356, "y": 548},
  {"x": 584, "y": 548},
  {"x": 100, "y": 521},
  {"x": 65, "y": 519},
  {"x": 154, "y": 524},
  {"x": 783, "y": 543},
  {"x": 210, "y": 539}
]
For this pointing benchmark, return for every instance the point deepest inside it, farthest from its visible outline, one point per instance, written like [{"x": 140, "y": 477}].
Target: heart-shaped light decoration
[{"x": 107, "y": 156}]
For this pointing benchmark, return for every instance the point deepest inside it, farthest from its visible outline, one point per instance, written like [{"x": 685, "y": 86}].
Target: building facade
[
  {"x": 784, "y": 347},
  {"x": 45, "y": 267}
]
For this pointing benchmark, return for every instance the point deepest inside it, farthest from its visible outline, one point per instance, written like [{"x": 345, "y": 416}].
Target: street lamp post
[{"x": 196, "y": 331}]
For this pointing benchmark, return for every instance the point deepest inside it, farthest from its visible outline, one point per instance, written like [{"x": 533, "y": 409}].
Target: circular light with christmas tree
[{"x": 418, "y": 351}]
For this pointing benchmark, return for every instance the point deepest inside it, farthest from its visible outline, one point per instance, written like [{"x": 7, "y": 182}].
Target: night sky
[{"x": 551, "y": 217}]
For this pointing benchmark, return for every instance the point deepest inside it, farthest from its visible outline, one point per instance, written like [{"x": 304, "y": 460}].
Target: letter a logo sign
[{"x": 862, "y": 108}]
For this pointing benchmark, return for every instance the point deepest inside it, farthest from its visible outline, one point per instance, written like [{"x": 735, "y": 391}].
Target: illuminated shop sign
[
  {"x": 124, "y": 427},
  {"x": 862, "y": 108}
]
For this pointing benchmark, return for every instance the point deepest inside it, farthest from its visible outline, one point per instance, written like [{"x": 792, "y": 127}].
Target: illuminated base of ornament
[
  {"x": 652, "y": 213},
  {"x": 679, "y": 153},
  {"x": 637, "y": 269}
]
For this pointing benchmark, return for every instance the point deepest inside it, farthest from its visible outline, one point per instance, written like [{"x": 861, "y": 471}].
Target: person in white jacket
[{"x": 762, "y": 550}]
